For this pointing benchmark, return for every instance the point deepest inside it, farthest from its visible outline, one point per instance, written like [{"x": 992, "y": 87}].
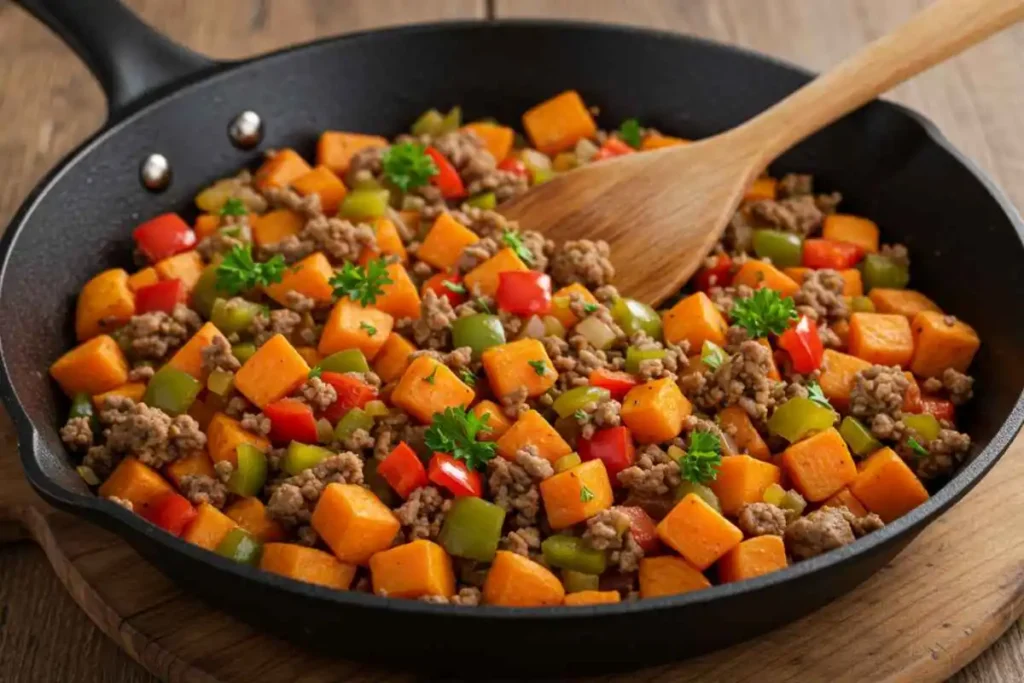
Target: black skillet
[{"x": 891, "y": 164}]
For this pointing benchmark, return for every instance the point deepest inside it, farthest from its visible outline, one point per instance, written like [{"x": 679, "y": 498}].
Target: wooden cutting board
[{"x": 937, "y": 606}]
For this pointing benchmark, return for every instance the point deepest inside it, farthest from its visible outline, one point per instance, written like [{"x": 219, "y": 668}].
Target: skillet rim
[{"x": 129, "y": 525}]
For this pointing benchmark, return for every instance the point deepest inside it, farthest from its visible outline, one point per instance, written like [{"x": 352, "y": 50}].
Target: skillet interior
[{"x": 890, "y": 165}]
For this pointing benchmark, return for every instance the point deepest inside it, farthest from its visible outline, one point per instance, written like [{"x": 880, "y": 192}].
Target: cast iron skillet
[{"x": 890, "y": 164}]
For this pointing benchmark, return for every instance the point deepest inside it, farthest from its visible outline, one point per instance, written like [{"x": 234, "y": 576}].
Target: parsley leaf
[
  {"x": 233, "y": 207},
  {"x": 370, "y": 329},
  {"x": 590, "y": 307},
  {"x": 514, "y": 240},
  {"x": 315, "y": 371},
  {"x": 407, "y": 166},
  {"x": 586, "y": 495},
  {"x": 360, "y": 284},
  {"x": 766, "y": 311},
  {"x": 581, "y": 416},
  {"x": 454, "y": 431},
  {"x": 815, "y": 393},
  {"x": 629, "y": 132},
  {"x": 482, "y": 305},
  {"x": 453, "y": 286},
  {"x": 468, "y": 378},
  {"x": 712, "y": 355},
  {"x": 432, "y": 377},
  {"x": 539, "y": 366},
  {"x": 238, "y": 272},
  {"x": 700, "y": 464},
  {"x": 916, "y": 446}
]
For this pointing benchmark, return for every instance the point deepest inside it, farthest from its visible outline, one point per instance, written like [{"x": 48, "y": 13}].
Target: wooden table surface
[{"x": 49, "y": 103}]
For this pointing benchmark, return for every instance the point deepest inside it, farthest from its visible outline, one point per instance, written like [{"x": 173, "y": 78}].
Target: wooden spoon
[{"x": 662, "y": 211}]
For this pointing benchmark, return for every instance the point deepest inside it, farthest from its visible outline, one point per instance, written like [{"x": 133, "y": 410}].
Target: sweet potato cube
[
  {"x": 307, "y": 564},
  {"x": 206, "y": 224},
  {"x": 853, "y": 282},
  {"x": 351, "y": 326},
  {"x": 209, "y": 527},
  {"x": 751, "y": 558},
  {"x": 389, "y": 243},
  {"x": 519, "y": 364},
  {"x": 273, "y": 372},
  {"x": 335, "y": 149},
  {"x": 841, "y": 227},
  {"x": 250, "y": 514},
  {"x": 576, "y": 494},
  {"x": 105, "y": 303},
  {"x": 428, "y": 387},
  {"x": 225, "y": 434},
  {"x": 322, "y": 182},
  {"x": 757, "y": 274},
  {"x": 531, "y": 429},
  {"x": 560, "y": 303},
  {"x": 195, "y": 464},
  {"x": 659, "y": 141},
  {"x": 592, "y": 598},
  {"x": 942, "y": 342},
  {"x": 557, "y": 124},
  {"x": 139, "y": 484},
  {"x": 274, "y": 226},
  {"x": 310, "y": 277},
  {"x": 412, "y": 570},
  {"x": 698, "y": 532},
  {"x": 654, "y": 411},
  {"x": 669, "y": 575},
  {"x": 393, "y": 357},
  {"x": 762, "y": 188},
  {"x": 484, "y": 278},
  {"x": 517, "y": 581},
  {"x": 497, "y": 139},
  {"x": 400, "y": 299},
  {"x": 186, "y": 266},
  {"x": 280, "y": 170},
  {"x": 820, "y": 465},
  {"x": 838, "y": 374},
  {"x": 310, "y": 355},
  {"x": 887, "y": 486},
  {"x": 353, "y": 522},
  {"x": 736, "y": 423},
  {"x": 497, "y": 423},
  {"x": 696, "y": 320},
  {"x": 881, "y": 338},
  {"x": 845, "y": 499},
  {"x": 143, "y": 278},
  {"x": 96, "y": 366},
  {"x": 133, "y": 390},
  {"x": 445, "y": 241},
  {"x": 901, "y": 301},
  {"x": 742, "y": 479},
  {"x": 189, "y": 358}
]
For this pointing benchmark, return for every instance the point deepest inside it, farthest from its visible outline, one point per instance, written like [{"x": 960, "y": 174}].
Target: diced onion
[
  {"x": 585, "y": 150},
  {"x": 533, "y": 329},
  {"x": 597, "y": 332},
  {"x": 324, "y": 430},
  {"x": 535, "y": 160},
  {"x": 553, "y": 327}
]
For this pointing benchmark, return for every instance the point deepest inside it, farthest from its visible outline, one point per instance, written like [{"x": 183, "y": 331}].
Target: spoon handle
[{"x": 943, "y": 29}]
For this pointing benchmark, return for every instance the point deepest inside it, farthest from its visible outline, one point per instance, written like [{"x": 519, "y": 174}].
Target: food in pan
[{"x": 355, "y": 373}]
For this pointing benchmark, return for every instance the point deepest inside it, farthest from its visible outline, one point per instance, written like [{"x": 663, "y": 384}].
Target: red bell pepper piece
[
  {"x": 831, "y": 254},
  {"x": 912, "y": 399},
  {"x": 171, "y": 512},
  {"x": 803, "y": 345},
  {"x": 162, "y": 296},
  {"x": 436, "y": 284},
  {"x": 525, "y": 292},
  {"x": 513, "y": 165},
  {"x": 643, "y": 528},
  {"x": 939, "y": 407},
  {"x": 447, "y": 178},
  {"x": 164, "y": 236},
  {"x": 403, "y": 470},
  {"x": 613, "y": 446},
  {"x": 718, "y": 275},
  {"x": 352, "y": 393},
  {"x": 291, "y": 420},
  {"x": 612, "y": 147},
  {"x": 452, "y": 474},
  {"x": 618, "y": 383}
]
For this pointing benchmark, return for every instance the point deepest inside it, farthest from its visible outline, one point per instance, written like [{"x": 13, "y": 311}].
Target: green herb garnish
[
  {"x": 764, "y": 312},
  {"x": 314, "y": 372},
  {"x": 482, "y": 305},
  {"x": 453, "y": 286},
  {"x": 700, "y": 464},
  {"x": 514, "y": 241},
  {"x": 454, "y": 431},
  {"x": 712, "y": 355},
  {"x": 429, "y": 379},
  {"x": 233, "y": 207},
  {"x": 370, "y": 329},
  {"x": 815, "y": 393},
  {"x": 238, "y": 272},
  {"x": 467, "y": 377},
  {"x": 916, "y": 446},
  {"x": 361, "y": 284},
  {"x": 629, "y": 132},
  {"x": 586, "y": 495},
  {"x": 589, "y": 307},
  {"x": 539, "y": 366},
  {"x": 581, "y": 415},
  {"x": 407, "y": 165}
]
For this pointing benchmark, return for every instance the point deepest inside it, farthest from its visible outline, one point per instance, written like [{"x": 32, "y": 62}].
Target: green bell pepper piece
[
  {"x": 204, "y": 293},
  {"x": 301, "y": 456},
  {"x": 485, "y": 200},
  {"x": 81, "y": 406},
  {"x": 172, "y": 391},
  {"x": 553, "y": 327},
  {"x": 479, "y": 332},
  {"x": 364, "y": 204},
  {"x": 378, "y": 484},
  {"x": 635, "y": 355},
  {"x": 376, "y": 409},
  {"x": 578, "y": 397},
  {"x": 429, "y": 123},
  {"x": 925, "y": 424},
  {"x": 472, "y": 529},
  {"x": 243, "y": 351},
  {"x": 234, "y": 315},
  {"x": 858, "y": 437},
  {"x": 452, "y": 120},
  {"x": 542, "y": 175},
  {"x": 712, "y": 355},
  {"x": 635, "y": 316},
  {"x": 354, "y": 419},
  {"x": 881, "y": 271},
  {"x": 862, "y": 304},
  {"x": 239, "y": 545},
  {"x": 250, "y": 474},
  {"x": 784, "y": 249},
  {"x": 793, "y": 501},
  {"x": 577, "y": 582},
  {"x": 349, "y": 360},
  {"x": 798, "y": 417},
  {"x": 571, "y": 552},
  {"x": 220, "y": 382},
  {"x": 685, "y": 488},
  {"x": 567, "y": 462}
]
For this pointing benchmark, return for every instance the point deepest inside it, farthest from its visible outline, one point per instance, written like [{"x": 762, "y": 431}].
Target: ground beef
[
  {"x": 296, "y": 327},
  {"x": 257, "y": 423},
  {"x": 959, "y": 385},
  {"x": 800, "y": 214},
  {"x": 149, "y": 434},
  {"x": 945, "y": 453},
  {"x": 422, "y": 514},
  {"x": 537, "y": 467},
  {"x": 794, "y": 185},
  {"x": 821, "y": 296},
  {"x": 357, "y": 442},
  {"x": 897, "y": 253},
  {"x": 366, "y": 164},
  {"x": 200, "y": 488},
  {"x": 100, "y": 461},
  {"x": 77, "y": 434},
  {"x": 607, "y": 529},
  {"x": 521, "y": 541},
  {"x": 220, "y": 242},
  {"x": 742, "y": 381},
  {"x": 293, "y": 499},
  {"x": 516, "y": 403},
  {"x": 822, "y": 530},
  {"x": 475, "y": 254},
  {"x": 217, "y": 356},
  {"x": 653, "y": 474},
  {"x": 142, "y": 372},
  {"x": 601, "y": 415},
  {"x": 240, "y": 188},
  {"x": 738, "y": 237},
  {"x": 670, "y": 365},
  {"x": 339, "y": 239},
  {"x": 298, "y": 302},
  {"x": 236, "y": 407},
  {"x": 287, "y": 198},
  {"x": 394, "y": 428},
  {"x": 515, "y": 491},
  {"x": 468, "y": 596},
  {"x": 878, "y": 390},
  {"x": 317, "y": 393},
  {"x": 862, "y": 526},
  {"x": 761, "y": 519},
  {"x": 477, "y": 167},
  {"x": 724, "y": 298},
  {"x": 583, "y": 261},
  {"x": 433, "y": 328},
  {"x": 627, "y": 558},
  {"x": 154, "y": 335}
]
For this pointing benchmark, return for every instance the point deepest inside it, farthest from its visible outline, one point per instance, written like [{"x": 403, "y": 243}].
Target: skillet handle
[{"x": 130, "y": 60}]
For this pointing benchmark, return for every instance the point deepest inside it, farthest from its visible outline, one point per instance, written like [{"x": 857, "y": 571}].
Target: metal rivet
[
  {"x": 246, "y": 130},
  {"x": 155, "y": 172}
]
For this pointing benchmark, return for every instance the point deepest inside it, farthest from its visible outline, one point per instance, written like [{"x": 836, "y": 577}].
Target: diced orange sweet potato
[
  {"x": 393, "y": 357},
  {"x": 560, "y": 303},
  {"x": 736, "y": 423},
  {"x": 132, "y": 390},
  {"x": 906, "y": 302},
  {"x": 189, "y": 358},
  {"x": 143, "y": 278},
  {"x": 322, "y": 182},
  {"x": 309, "y": 277},
  {"x": 853, "y": 283},
  {"x": 310, "y": 355},
  {"x": 225, "y": 434},
  {"x": 842, "y": 227},
  {"x": 531, "y": 429},
  {"x": 400, "y": 299},
  {"x": 186, "y": 266},
  {"x": 206, "y": 224},
  {"x": 845, "y": 499},
  {"x": 942, "y": 342},
  {"x": 485, "y": 275},
  {"x": 139, "y": 484},
  {"x": 763, "y": 188},
  {"x": 307, "y": 564},
  {"x": 96, "y": 366},
  {"x": 517, "y": 581},
  {"x": 519, "y": 364},
  {"x": 659, "y": 141},
  {"x": 411, "y": 219},
  {"x": 497, "y": 423},
  {"x": 335, "y": 149},
  {"x": 592, "y": 598},
  {"x": 412, "y": 570},
  {"x": 751, "y": 558},
  {"x": 820, "y": 465},
  {"x": 881, "y": 338},
  {"x": 273, "y": 372},
  {"x": 445, "y": 241},
  {"x": 669, "y": 575},
  {"x": 274, "y": 226},
  {"x": 773, "y": 370},
  {"x": 428, "y": 387},
  {"x": 353, "y": 522},
  {"x": 757, "y": 274},
  {"x": 389, "y": 243},
  {"x": 838, "y": 373},
  {"x": 280, "y": 170},
  {"x": 250, "y": 514},
  {"x": 104, "y": 304},
  {"x": 696, "y": 320},
  {"x": 203, "y": 409},
  {"x": 559, "y": 123},
  {"x": 497, "y": 139},
  {"x": 887, "y": 486},
  {"x": 209, "y": 527},
  {"x": 349, "y": 326},
  {"x": 654, "y": 411},
  {"x": 195, "y": 464},
  {"x": 698, "y": 532},
  {"x": 798, "y": 273},
  {"x": 742, "y": 479},
  {"x": 566, "y": 498}
]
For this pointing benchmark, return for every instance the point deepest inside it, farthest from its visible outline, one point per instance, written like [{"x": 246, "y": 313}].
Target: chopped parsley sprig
[
  {"x": 233, "y": 207},
  {"x": 238, "y": 272},
  {"x": 701, "y": 462},
  {"x": 514, "y": 241},
  {"x": 629, "y": 132},
  {"x": 408, "y": 166},
  {"x": 916, "y": 447},
  {"x": 763, "y": 313},
  {"x": 815, "y": 393},
  {"x": 455, "y": 432},
  {"x": 362, "y": 285}
]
